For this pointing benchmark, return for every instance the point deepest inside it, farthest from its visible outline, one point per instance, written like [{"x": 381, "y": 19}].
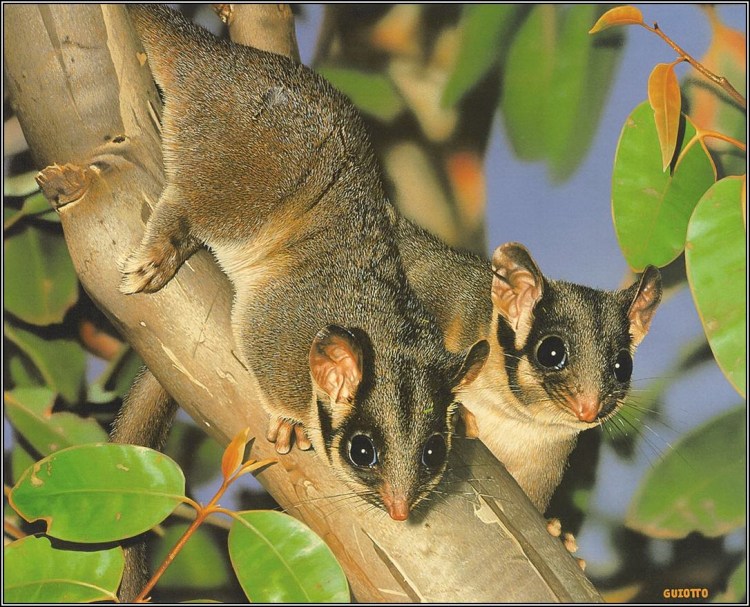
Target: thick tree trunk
[{"x": 86, "y": 103}]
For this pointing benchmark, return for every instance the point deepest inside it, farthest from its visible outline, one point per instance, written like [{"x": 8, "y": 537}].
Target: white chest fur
[{"x": 534, "y": 451}]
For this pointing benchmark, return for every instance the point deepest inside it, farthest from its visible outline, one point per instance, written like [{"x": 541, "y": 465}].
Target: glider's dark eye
[
  {"x": 623, "y": 366},
  {"x": 551, "y": 353},
  {"x": 362, "y": 451},
  {"x": 434, "y": 452}
]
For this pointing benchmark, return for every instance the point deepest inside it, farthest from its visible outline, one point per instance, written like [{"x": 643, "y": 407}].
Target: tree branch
[
  {"x": 719, "y": 81},
  {"x": 84, "y": 97},
  {"x": 269, "y": 27}
]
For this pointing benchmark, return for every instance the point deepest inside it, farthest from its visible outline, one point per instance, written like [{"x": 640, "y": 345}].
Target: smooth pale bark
[{"x": 85, "y": 102}]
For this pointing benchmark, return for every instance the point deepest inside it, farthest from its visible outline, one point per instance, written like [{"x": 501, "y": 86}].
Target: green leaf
[
  {"x": 697, "y": 486},
  {"x": 40, "y": 282},
  {"x": 49, "y": 216},
  {"x": 61, "y": 362},
  {"x": 30, "y": 412},
  {"x": 20, "y": 460},
  {"x": 581, "y": 499},
  {"x": 37, "y": 400},
  {"x": 372, "y": 93},
  {"x": 484, "y": 29},
  {"x": 96, "y": 395},
  {"x": 21, "y": 185},
  {"x": 277, "y": 559},
  {"x": 22, "y": 372},
  {"x": 527, "y": 82},
  {"x": 10, "y": 216},
  {"x": 585, "y": 68},
  {"x": 736, "y": 586},
  {"x": 99, "y": 493},
  {"x": 717, "y": 273},
  {"x": 35, "y": 205},
  {"x": 557, "y": 79},
  {"x": 37, "y": 572},
  {"x": 651, "y": 208},
  {"x": 199, "y": 565}
]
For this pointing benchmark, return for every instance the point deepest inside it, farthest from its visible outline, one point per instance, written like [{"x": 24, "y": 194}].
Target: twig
[
  {"x": 700, "y": 136},
  {"x": 202, "y": 513},
  {"x": 188, "y": 513},
  {"x": 723, "y": 137},
  {"x": 718, "y": 80}
]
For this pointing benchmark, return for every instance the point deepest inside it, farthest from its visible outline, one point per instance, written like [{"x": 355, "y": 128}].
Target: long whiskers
[{"x": 353, "y": 499}]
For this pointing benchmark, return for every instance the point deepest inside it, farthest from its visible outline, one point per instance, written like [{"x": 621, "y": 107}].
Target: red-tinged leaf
[
  {"x": 726, "y": 56},
  {"x": 234, "y": 453},
  {"x": 620, "y": 15},
  {"x": 253, "y": 464},
  {"x": 710, "y": 107},
  {"x": 665, "y": 99},
  {"x": 466, "y": 175}
]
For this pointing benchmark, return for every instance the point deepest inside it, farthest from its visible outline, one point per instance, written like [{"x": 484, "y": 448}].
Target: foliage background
[{"x": 568, "y": 228}]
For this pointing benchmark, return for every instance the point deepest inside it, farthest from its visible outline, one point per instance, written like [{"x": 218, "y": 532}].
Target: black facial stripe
[
  {"x": 406, "y": 398},
  {"x": 601, "y": 324},
  {"x": 507, "y": 340},
  {"x": 326, "y": 428}
]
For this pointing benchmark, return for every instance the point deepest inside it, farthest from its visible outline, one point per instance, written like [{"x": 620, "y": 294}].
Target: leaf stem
[
  {"x": 141, "y": 598},
  {"x": 229, "y": 513},
  {"x": 718, "y": 80},
  {"x": 695, "y": 138},
  {"x": 252, "y": 466},
  {"x": 202, "y": 513},
  {"x": 189, "y": 514},
  {"x": 716, "y": 135},
  {"x": 192, "y": 503}
]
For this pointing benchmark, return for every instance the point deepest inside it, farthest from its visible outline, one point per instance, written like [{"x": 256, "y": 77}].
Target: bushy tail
[{"x": 145, "y": 419}]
